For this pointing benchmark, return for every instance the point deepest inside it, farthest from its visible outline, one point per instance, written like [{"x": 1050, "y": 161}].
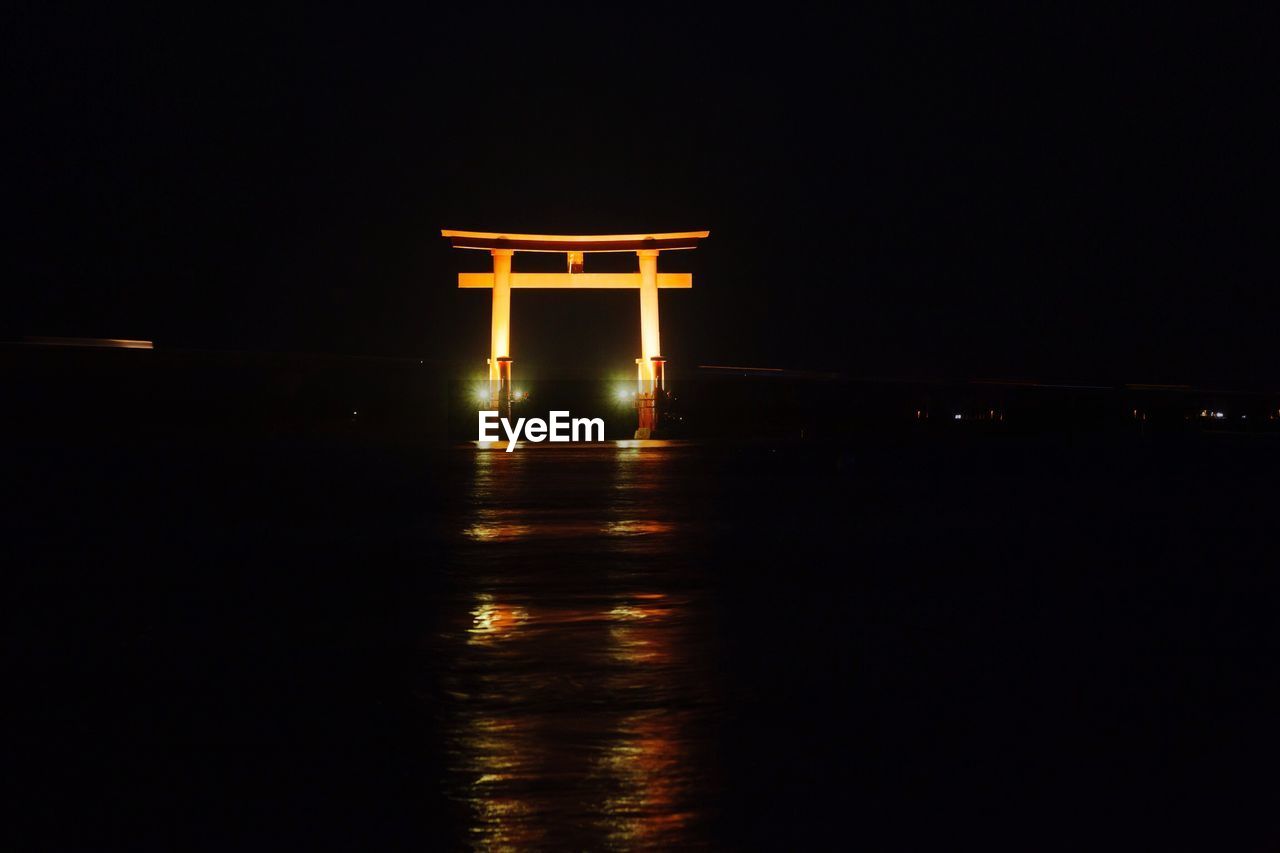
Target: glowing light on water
[{"x": 492, "y": 621}]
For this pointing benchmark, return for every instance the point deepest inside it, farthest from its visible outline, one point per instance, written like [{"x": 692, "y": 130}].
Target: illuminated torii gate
[{"x": 650, "y": 366}]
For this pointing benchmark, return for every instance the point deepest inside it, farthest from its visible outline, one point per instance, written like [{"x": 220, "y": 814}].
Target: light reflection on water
[{"x": 578, "y": 659}]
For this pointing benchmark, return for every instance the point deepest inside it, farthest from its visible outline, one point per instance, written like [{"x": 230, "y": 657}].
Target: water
[
  {"x": 1037, "y": 642},
  {"x": 578, "y": 652},
  {"x": 896, "y": 644}
]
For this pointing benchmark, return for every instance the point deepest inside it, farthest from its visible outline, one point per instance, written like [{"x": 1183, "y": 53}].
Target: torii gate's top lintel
[{"x": 574, "y": 242}]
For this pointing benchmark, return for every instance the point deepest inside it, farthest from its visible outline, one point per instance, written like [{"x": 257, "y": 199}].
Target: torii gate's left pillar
[{"x": 500, "y": 332}]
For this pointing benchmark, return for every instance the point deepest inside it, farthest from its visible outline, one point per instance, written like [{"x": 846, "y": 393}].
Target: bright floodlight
[
  {"x": 482, "y": 394},
  {"x": 624, "y": 394}
]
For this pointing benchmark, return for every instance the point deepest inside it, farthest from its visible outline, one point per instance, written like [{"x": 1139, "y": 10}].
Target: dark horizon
[{"x": 888, "y": 195}]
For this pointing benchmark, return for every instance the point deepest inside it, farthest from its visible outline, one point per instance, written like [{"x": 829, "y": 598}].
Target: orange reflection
[
  {"x": 496, "y": 530},
  {"x": 638, "y": 527},
  {"x": 499, "y": 750},
  {"x": 573, "y": 659},
  {"x": 492, "y": 621},
  {"x": 649, "y": 779},
  {"x": 635, "y": 638}
]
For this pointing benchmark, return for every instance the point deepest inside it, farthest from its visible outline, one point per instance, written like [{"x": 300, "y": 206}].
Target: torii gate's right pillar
[
  {"x": 650, "y": 363},
  {"x": 650, "y": 345}
]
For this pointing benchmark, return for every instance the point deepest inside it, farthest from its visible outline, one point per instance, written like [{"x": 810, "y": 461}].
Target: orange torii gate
[{"x": 650, "y": 367}]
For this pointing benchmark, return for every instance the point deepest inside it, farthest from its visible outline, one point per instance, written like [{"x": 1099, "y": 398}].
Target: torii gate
[{"x": 650, "y": 367}]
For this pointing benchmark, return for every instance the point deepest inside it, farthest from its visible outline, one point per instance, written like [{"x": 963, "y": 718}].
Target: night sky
[{"x": 923, "y": 194}]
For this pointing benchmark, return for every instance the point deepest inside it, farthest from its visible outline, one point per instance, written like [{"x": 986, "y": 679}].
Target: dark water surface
[
  {"x": 1017, "y": 641},
  {"x": 579, "y": 651},
  {"x": 1000, "y": 642}
]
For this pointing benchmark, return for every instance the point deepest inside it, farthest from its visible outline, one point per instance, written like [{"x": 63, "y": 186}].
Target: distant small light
[
  {"x": 355, "y": 413},
  {"x": 957, "y": 417}
]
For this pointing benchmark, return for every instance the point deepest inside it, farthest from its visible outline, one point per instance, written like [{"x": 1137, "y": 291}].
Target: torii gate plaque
[{"x": 650, "y": 367}]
